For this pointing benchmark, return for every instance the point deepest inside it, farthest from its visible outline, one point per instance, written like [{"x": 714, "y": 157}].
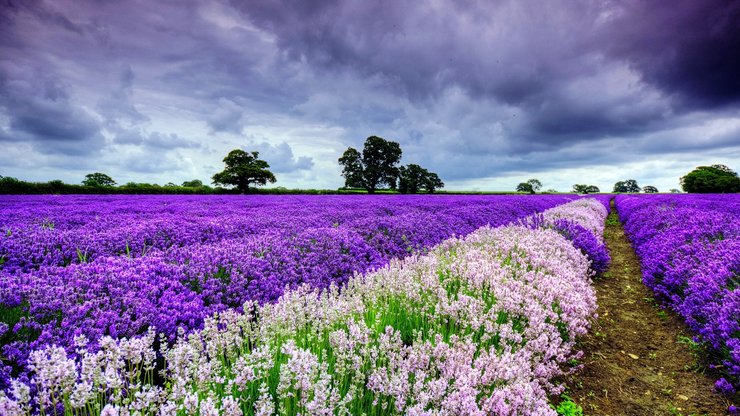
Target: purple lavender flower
[
  {"x": 723, "y": 386},
  {"x": 117, "y": 265},
  {"x": 689, "y": 247}
]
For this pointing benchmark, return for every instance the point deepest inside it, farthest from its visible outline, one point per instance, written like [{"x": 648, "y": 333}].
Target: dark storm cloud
[
  {"x": 690, "y": 48},
  {"x": 39, "y": 111},
  {"x": 470, "y": 89},
  {"x": 702, "y": 138},
  {"x": 528, "y": 54},
  {"x": 421, "y": 48},
  {"x": 537, "y": 58},
  {"x": 515, "y": 50},
  {"x": 172, "y": 47}
]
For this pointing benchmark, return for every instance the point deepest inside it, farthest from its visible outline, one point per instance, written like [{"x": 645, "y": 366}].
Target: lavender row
[
  {"x": 235, "y": 250},
  {"x": 582, "y": 223},
  {"x": 689, "y": 247},
  {"x": 478, "y": 326},
  {"x": 38, "y": 231}
]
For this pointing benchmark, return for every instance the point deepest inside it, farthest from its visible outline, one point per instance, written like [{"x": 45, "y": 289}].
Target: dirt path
[{"x": 634, "y": 362}]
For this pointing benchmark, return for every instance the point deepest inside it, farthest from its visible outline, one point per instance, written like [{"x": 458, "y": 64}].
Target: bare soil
[{"x": 637, "y": 360}]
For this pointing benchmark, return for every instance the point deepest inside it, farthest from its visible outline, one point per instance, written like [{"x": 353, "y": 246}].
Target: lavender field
[
  {"x": 178, "y": 305},
  {"x": 689, "y": 246}
]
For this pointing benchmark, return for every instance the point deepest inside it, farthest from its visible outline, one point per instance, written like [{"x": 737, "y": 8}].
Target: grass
[
  {"x": 567, "y": 407},
  {"x": 698, "y": 350},
  {"x": 612, "y": 219}
]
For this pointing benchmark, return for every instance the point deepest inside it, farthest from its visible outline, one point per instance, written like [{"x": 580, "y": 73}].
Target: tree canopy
[
  {"x": 711, "y": 179},
  {"x": 531, "y": 186},
  {"x": 380, "y": 158},
  {"x": 377, "y": 166},
  {"x": 650, "y": 189},
  {"x": 525, "y": 187},
  {"x": 98, "y": 180},
  {"x": 242, "y": 170},
  {"x": 585, "y": 189},
  {"x": 195, "y": 183},
  {"x": 535, "y": 184},
  {"x": 628, "y": 186},
  {"x": 413, "y": 178},
  {"x": 353, "y": 169},
  {"x": 433, "y": 182}
]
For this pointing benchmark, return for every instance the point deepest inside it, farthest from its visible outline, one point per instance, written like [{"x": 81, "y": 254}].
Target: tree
[
  {"x": 195, "y": 183},
  {"x": 98, "y": 180},
  {"x": 525, "y": 187},
  {"x": 531, "y": 186},
  {"x": 376, "y": 167},
  {"x": 711, "y": 179},
  {"x": 649, "y": 189},
  {"x": 433, "y": 182},
  {"x": 628, "y": 186},
  {"x": 353, "y": 170},
  {"x": 724, "y": 169},
  {"x": 675, "y": 191},
  {"x": 380, "y": 158},
  {"x": 11, "y": 185},
  {"x": 535, "y": 184},
  {"x": 243, "y": 169},
  {"x": 413, "y": 178},
  {"x": 585, "y": 189}
]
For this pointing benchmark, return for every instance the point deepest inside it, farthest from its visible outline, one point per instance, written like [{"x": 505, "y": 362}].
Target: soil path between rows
[{"x": 634, "y": 362}]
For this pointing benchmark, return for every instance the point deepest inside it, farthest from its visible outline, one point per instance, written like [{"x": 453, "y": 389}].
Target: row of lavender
[
  {"x": 42, "y": 231},
  {"x": 97, "y": 266},
  {"x": 478, "y": 326},
  {"x": 689, "y": 247}
]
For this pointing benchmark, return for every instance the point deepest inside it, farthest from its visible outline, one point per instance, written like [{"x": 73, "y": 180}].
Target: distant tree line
[
  {"x": 376, "y": 169},
  {"x": 10, "y": 185},
  {"x": 703, "y": 179}
]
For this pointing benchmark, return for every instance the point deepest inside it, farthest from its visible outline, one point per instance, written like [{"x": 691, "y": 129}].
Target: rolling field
[
  {"x": 329, "y": 304},
  {"x": 117, "y": 265},
  {"x": 100, "y": 269}
]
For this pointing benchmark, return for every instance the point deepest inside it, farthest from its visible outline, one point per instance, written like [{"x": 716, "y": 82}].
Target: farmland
[
  {"x": 333, "y": 304},
  {"x": 689, "y": 247},
  {"x": 86, "y": 266}
]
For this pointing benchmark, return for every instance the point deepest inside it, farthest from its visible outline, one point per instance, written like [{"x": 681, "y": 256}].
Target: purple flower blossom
[
  {"x": 477, "y": 325},
  {"x": 723, "y": 386},
  {"x": 118, "y": 265},
  {"x": 689, "y": 247}
]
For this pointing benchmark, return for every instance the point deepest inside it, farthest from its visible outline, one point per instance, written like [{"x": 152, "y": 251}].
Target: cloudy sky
[{"x": 485, "y": 93}]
